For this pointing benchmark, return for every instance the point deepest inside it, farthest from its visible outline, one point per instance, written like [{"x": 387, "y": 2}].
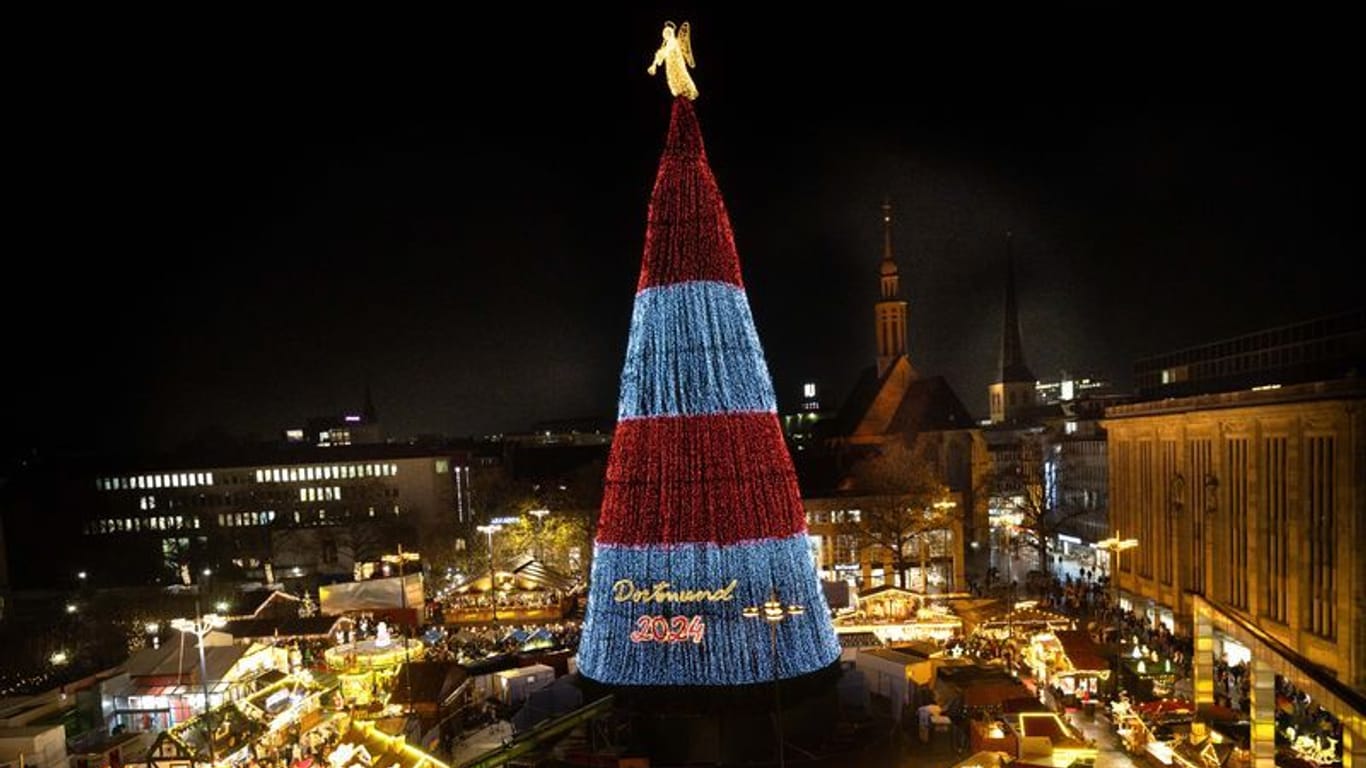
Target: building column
[
  {"x": 958, "y": 548},
  {"x": 1353, "y": 747},
  {"x": 1263, "y": 714},
  {"x": 1202, "y": 669}
]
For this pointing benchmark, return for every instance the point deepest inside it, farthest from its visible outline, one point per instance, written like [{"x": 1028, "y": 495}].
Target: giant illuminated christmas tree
[{"x": 701, "y": 515}]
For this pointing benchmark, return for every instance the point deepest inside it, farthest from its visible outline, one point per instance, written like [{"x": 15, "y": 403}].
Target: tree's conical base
[{"x": 726, "y": 725}]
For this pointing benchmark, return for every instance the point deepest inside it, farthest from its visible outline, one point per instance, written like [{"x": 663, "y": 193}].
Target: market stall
[{"x": 1067, "y": 661}]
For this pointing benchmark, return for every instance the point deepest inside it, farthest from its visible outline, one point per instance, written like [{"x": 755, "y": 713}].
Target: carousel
[{"x": 365, "y": 668}]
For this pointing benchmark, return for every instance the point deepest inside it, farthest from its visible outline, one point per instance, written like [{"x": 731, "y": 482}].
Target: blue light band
[
  {"x": 735, "y": 650},
  {"x": 693, "y": 350}
]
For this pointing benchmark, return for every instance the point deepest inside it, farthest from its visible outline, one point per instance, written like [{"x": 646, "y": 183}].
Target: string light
[
  {"x": 723, "y": 479},
  {"x": 688, "y": 234},
  {"x": 701, "y": 512},
  {"x": 693, "y": 350}
]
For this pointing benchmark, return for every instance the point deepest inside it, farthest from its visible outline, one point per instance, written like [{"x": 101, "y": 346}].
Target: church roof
[{"x": 921, "y": 404}]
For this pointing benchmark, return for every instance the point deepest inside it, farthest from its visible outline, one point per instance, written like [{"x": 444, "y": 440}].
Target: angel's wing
[{"x": 685, "y": 43}]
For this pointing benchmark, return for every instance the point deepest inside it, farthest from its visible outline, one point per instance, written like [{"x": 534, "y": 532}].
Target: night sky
[{"x": 236, "y": 226}]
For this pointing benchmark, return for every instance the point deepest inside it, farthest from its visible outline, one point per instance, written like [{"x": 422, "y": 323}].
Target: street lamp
[
  {"x": 491, "y": 529},
  {"x": 1115, "y": 545},
  {"x": 774, "y": 612},
  {"x": 540, "y": 531},
  {"x": 199, "y": 627},
  {"x": 942, "y": 508},
  {"x": 399, "y": 558}
]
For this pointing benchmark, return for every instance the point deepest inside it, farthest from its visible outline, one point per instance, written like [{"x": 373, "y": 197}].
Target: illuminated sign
[
  {"x": 669, "y": 629},
  {"x": 626, "y": 591}
]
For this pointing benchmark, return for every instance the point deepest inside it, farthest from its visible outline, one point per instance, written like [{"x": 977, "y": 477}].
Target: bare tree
[
  {"x": 1032, "y": 488},
  {"x": 901, "y": 500}
]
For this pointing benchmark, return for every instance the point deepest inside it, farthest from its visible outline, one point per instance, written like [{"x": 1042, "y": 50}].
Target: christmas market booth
[
  {"x": 191, "y": 743},
  {"x": 364, "y": 745},
  {"x": 528, "y": 592},
  {"x": 1148, "y": 674},
  {"x": 1068, "y": 661},
  {"x": 897, "y": 615},
  {"x": 293, "y": 705},
  {"x": 1024, "y": 620}
]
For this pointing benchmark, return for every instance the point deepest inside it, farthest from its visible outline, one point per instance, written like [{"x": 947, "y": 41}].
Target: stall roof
[
  {"x": 433, "y": 681},
  {"x": 1081, "y": 650},
  {"x": 181, "y": 659},
  {"x": 385, "y": 750},
  {"x": 859, "y": 640},
  {"x": 286, "y": 626}
]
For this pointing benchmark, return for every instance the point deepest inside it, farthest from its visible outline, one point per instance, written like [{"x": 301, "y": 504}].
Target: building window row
[
  {"x": 328, "y": 493},
  {"x": 136, "y": 524},
  {"x": 240, "y": 519},
  {"x": 835, "y": 516},
  {"x": 325, "y": 472},
  {"x": 152, "y": 482}
]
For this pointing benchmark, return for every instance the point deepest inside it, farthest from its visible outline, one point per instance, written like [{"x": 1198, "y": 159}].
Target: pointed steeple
[
  {"x": 890, "y": 311},
  {"x": 891, "y": 283},
  {"x": 1013, "y": 390},
  {"x": 371, "y": 417},
  {"x": 1013, "y": 367}
]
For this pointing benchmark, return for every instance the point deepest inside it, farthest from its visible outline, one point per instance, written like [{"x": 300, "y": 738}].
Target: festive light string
[
  {"x": 693, "y": 350},
  {"x": 688, "y": 235},
  {"x": 736, "y": 649},
  {"x": 722, "y": 479},
  {"x": 701, "y": 514}
]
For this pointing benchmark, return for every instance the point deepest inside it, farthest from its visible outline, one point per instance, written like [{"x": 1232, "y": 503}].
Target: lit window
[{"x": 303, "y": 494}]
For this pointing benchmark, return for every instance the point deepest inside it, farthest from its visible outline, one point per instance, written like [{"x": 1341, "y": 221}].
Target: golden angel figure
[{"x": 675, "y": 53}]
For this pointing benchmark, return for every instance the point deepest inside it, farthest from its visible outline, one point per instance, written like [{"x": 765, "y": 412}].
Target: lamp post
[
  {"x": 491, "y": 529},
  {"x": 1115, "y": 545},
  {"x": 199, "y": 627},
  {"x": 774, "y": 612},
  {"x": 399, "y": 558},
  {"x": 540, "y": 531},
  {"x": 942, "y": 509}
]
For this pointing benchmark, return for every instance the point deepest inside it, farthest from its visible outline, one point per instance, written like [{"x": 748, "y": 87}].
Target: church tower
[
  {"x": 890, "y": 310},
  {"x": 1013, "y": 392}
]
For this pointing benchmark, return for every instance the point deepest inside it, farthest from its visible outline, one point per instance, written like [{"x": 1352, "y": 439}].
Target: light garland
[
  {"x": 720, "y": 479},
  {"x": 693, "y": 350},
  {"x": 688, "y": 234}
]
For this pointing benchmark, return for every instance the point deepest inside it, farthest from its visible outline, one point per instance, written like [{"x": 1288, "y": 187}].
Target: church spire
[
  {"x": 1013, "y": 366},
  {"x": 371, "y": 417},
  {"x": 890, "y": 311},
  {"x": 1014, "y": 386}
]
